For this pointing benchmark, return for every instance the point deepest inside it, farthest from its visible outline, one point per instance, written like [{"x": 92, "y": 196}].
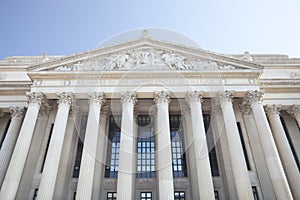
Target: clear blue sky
[{"x": 63, "y": 27}]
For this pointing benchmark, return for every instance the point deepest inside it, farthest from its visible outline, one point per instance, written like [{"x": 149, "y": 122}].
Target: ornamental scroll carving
[{"x": 141, "y": 59}]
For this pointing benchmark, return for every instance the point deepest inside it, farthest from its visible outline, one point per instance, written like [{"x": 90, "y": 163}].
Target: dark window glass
[
  {"x": 177, "y": 145},
  {"x": 79, "y": 147},
  {"x": 255, "y": 194},
  {"x": 212, "y": 151},
  {"x": 290, "y": 142},
  {"x": 243, "y": 145},
  {"x": 179, "y": 195},
  {"x": 113, "y": 149},
  {"x": 46, "y": 150},
  {"x": 217, "y": 197},
  {"x": 35, "y": 193},
  {"x": 74, "y": 195},
  {"x": 5, "y": 132},
  {"x": 145, "y": 147},
  {"x": 111, "y": 196},
  {"x": 146, "y": 196}
]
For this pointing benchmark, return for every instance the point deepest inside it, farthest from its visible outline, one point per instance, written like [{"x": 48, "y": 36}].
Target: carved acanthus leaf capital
[
  {"x": 245, "y": 108},
  {"x": 224, "y": 97},
  {"x": 162, "y": 97},
  {"x": 128, "y": 97},
  {"x": 273, "y": 110},
  {"x": 2, "y": 113},
  {"x": 35, "y": 98},
  {"x": 17, "y": 112},
  {"x": 65, "y": 98},
  {"x": 194, "y": 96},
  {"x": 294, "y": 111},
  {"x": 253, "y": 97},
  {"x": 97, "y": 98}
]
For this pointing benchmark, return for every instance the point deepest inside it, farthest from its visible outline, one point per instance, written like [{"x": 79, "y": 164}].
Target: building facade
[{"x": 151, "y": 120}]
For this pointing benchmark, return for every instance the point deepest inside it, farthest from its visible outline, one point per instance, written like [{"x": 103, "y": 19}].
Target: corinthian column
[
  {"x": 88, "y": 160},
  {"x": 9, "y": 142},
  {"x": 163, "y": 141},
  {"x": 239, "y": 168},
  {"x": 48, "y": 180},
  {"x": 17, "y": 162},
  {"x": 285, "y": 152},
  {"x": 126, "y": 173},
  {"x": 205, "y": 182},
  {"x": 294, "y": 111},
  {"x": 278, "y": 178}
]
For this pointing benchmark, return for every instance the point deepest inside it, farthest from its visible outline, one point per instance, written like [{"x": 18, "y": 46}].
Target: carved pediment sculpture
[{"x": 142, "y": 59}]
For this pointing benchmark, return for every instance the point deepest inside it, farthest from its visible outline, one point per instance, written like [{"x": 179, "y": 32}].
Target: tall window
[
  {"x": 145, "y": 147},
  {"x": 217, "y": 197},
  {"x": 212, "y": 151},
  {"x": 47, "y": 147},
  {"x": 179, "y": 195},
  {"x": 5, "y": 132},
  {"x": 255, "y": 194},
  {"x": 177, "y": 143},
  {"x": 146, "y": 196},
  {"x": 243, "y": 145},
  {"x": 79, "y": 148},
  {"x": 111, "y": 196},
  {"x": 113, "y": 149}
]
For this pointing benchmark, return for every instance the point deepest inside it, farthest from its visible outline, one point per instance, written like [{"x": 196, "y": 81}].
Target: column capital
[
  {"x": 162, "y": 97},
  {"x": 65, "y": 98},
  {"x": 194, "y": 96},
  {"x": 224, "y": 97},
  {"x": 97, "y": 98},
  {"x": 2, "y": 113},
  {"x": 128, "y": 97},
  {"x": 245, "y": 108},
  {"x": 17, "y": 112},
  {"x": 253, "y": 96},
  {"x": 294, "y": 111},
  {"x": 185, "y": 110},
  {"x": 216, "y": 110},
  {"x": 273, "y": 110},
  {"x": 35, "y": 98}
]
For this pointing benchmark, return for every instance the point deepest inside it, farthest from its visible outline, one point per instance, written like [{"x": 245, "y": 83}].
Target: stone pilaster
[
  {"x": 163, "y": 141},
  {"x": 49, "y": 175},
  {"x": 294, "y": 111},
  {"x": 204, "y": 177},
  {"x": 239, "y": 168},
  {"x": 17, "y": 114},
  {"x": 88, "y": 160},
  {"x": 18, "y": 159},
  {"x": 278, "y": 178},
  {"x": 285, "y": 152},
  {"x": 127, "y": 164}
]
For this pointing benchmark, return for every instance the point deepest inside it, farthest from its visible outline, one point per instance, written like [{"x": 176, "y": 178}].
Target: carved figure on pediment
[
  {"x": 176, "y": 61},
  {"x": 62, "y": 68},
  {"x": 117, "y": 62},
  {"x": 227, "y": 67}
]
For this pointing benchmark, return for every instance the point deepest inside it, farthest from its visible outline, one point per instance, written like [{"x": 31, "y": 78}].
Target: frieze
[
  {"x": 146, "y": 183},
  {"x": 143, "y": 59},
  {"x": 181, "y": 183},
  {"x": 110, "y": 184}
]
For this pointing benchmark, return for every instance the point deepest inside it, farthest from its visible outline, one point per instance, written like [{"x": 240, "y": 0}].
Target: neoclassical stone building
[{"x": 150, "y": 119}]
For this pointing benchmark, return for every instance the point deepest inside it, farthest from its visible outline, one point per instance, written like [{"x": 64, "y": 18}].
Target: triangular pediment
[{"x": 146, "y": 54}]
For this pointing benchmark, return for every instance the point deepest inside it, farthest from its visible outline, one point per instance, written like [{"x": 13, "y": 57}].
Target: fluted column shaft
[
  {"x": 126, "y": 173},
  {"x": 10, "y": 139},
  {"x": 49, "y": 176},
  {"x": 88, "y": 160},
  {"x": 278, "y": 178},
  {"x": 285, "y": 152},
  {"x": 17, "y": 162},
  {"x": 164, "y": 153},
  {"x": 204, "y": 177},
  {"x": 240, "y": 172}
]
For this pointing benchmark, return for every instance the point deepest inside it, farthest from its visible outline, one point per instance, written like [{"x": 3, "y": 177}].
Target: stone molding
[
  {"x": 194, "y": 96},
  {"x": 162, "y": 97}
]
